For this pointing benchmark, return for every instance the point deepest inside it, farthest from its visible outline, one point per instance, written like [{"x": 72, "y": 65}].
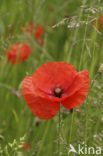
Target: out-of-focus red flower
[
  {"x": 38, "y": 35},
  {"x": 29, "y": 28},
  {"x": 98, "y": 23},
  {"x": 54, "y": 83},
  {"x": 35, "y": 30},
  {"x": 32, "y": 28},
  {"x": 18, "y": 52},
  {"x": 26, "y": 146},
  {"x": 39, "y": 32}
]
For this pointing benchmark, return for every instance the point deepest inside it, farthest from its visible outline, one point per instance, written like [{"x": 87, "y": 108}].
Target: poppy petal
[
  {"x": 42, "y": 107},
  {"x": 78, "y": 91},
  {"x": 53, "y": 74}
]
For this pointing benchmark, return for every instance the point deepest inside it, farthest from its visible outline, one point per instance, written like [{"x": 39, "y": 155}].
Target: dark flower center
[{"x": 58, "y": 92}]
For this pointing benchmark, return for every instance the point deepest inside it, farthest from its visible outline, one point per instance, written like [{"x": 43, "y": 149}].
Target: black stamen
[{"x": 58, "y": 92}]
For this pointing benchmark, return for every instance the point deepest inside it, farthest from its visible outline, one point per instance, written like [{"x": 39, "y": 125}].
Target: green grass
[{"x": 80, "y": 46}]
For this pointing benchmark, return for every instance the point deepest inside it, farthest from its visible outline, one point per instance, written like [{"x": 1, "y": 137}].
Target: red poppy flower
[
  {"x": 54, "y": 83},
  {"x": 35, "y": 30},
  {"x": 18, "y": 52},
  {"x": 39, "y": 32},
  {"x": 26, "y": 146},
  {"x": 29, "y": 28},
  {"x": 98, "y": 23}
]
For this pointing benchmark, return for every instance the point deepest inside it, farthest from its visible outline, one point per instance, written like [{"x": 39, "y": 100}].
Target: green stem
[
  {"x": 43, "y": 139},
  {"x": 59, "y": 131},
  {"x": 60, "y": 134},
  {"x": 71, "y": 128}
]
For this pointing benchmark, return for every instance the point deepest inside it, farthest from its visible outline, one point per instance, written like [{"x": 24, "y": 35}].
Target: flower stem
[
  {"x": 43, "y": 139},
  {"x": 59, "y": 131}
]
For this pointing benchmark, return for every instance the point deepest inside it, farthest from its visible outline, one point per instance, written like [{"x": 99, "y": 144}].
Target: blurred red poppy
[
  {"x": 98, "y": 23},
  {"x": 54, "y": 83},
  {"x": 29, "y": 27},
  {"x": 38, "y": 35},
  {"x": 34, "y": 29},
  {"x": 39, "y": 32},
  {"x": 26, "y": 146},
  {"x": 18, "y": 52}
]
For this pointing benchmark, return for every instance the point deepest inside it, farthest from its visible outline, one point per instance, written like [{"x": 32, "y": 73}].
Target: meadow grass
[{"x": 82, "y": 46}]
